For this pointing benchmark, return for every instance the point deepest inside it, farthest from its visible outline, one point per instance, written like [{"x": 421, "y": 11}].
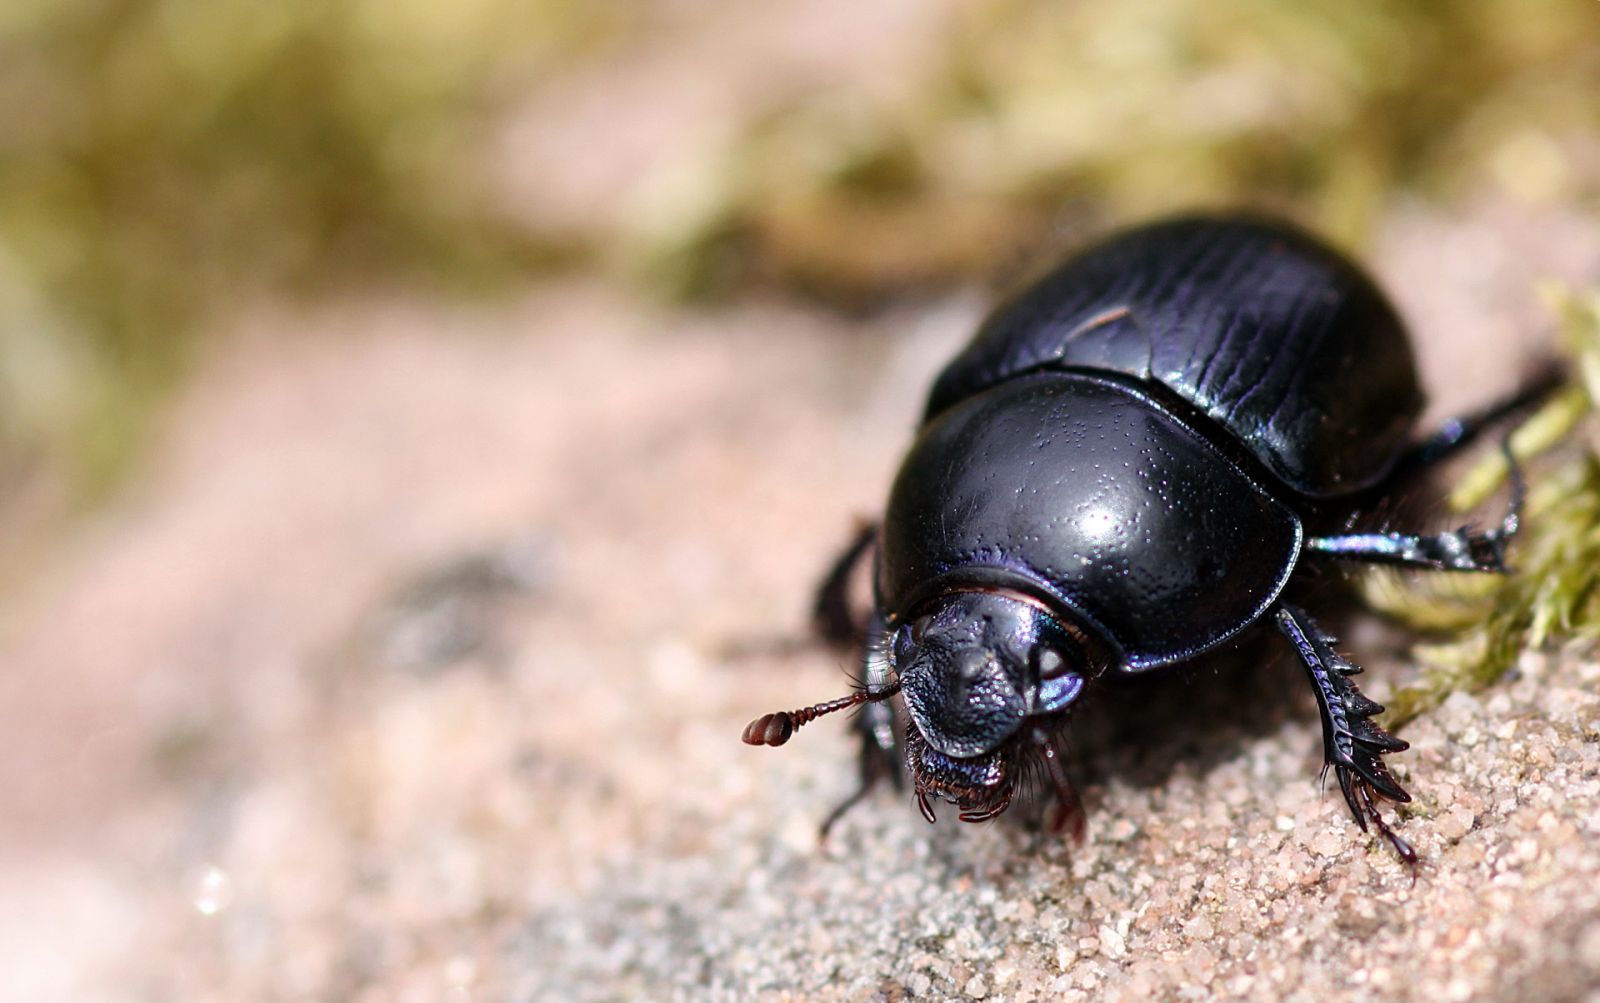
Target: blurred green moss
[
  {"x": 1036, "y": 117},
  {"x": 164, "y": 159},
  {"x": 1553, "y": 593}
]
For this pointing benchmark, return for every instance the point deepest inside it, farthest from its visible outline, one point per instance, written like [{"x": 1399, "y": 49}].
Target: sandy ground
[{"x": 403, "y": 673}]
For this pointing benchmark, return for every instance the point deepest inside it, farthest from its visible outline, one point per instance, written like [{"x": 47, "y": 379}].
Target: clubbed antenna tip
[{"x": 777, "y": 728}]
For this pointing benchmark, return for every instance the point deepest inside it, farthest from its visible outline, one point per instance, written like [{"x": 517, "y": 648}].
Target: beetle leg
[
  {"x": 1068, "y": 816},
  {"x": 830, "y": 611},
  {"x": 875, "y": 728},
  {"x": 1458, "y": 433},
  {"x": 1359, "y": 796},
  {"x": 877, "y": 759},
  {"x": 831, "y": 619},
  {"x": 1352, "y": 745},
  {"x": 1461, "y": 550}
]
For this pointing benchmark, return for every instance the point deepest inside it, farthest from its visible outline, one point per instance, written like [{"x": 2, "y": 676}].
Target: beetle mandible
[{"x": 1124, "y": 470}]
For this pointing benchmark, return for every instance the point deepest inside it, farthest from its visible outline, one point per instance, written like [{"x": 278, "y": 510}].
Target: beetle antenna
[{"x": 778, "y": 728}]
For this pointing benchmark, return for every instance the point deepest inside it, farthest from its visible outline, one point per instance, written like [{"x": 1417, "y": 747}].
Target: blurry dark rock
[{"x": 449, "y": 612}]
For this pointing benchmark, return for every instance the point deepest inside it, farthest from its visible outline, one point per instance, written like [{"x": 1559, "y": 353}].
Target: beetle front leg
[{"x": 1352, "y": 745}]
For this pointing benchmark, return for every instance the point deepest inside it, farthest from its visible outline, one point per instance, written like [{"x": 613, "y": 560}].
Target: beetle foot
[
  {"x": 1068, "y": 816},
  {"x": 1363, "y": 802},
  {"x": 1069, "y": 820},
  {"x": 1353, "y": 744}
]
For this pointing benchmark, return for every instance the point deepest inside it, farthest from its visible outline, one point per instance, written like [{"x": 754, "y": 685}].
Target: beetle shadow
[
  {"x": 1143, "y": 730},
  {"x": 1194, "y": 717}
]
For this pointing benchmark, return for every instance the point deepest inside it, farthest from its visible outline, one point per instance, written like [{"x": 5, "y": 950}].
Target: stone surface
[
  {"x": 416, "y": 665},
  {"x": 413, "y": 667}
]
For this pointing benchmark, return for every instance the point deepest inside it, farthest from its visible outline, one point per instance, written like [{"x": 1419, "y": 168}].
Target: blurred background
[{"x": 391, "y": 393}]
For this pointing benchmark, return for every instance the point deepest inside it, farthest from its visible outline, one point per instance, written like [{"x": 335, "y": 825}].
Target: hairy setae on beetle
[{"x": 1124, "y": 470}]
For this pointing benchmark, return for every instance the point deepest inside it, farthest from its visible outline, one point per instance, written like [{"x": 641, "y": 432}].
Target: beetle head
[
  {"x": 974, "y": 669},
  {"x": 982, "y": 673}
]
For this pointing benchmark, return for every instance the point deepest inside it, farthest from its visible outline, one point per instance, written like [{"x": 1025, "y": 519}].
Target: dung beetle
[{"x": 1124, "y": 470}]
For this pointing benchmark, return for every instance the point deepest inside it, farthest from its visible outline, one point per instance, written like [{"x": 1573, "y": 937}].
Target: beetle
[{"x": 1127, "y": 468}]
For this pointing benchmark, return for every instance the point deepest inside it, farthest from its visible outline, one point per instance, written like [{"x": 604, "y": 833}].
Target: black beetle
[{"x": 1123, "y": 471}]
